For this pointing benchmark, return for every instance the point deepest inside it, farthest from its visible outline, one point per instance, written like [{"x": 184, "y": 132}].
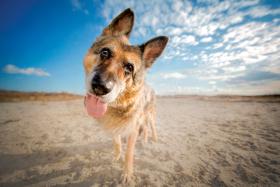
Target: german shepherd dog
[{"x": 117, "y": 96}]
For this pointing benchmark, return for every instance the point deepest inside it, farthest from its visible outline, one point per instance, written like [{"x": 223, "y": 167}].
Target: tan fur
[{"x": 134, "y": 107}]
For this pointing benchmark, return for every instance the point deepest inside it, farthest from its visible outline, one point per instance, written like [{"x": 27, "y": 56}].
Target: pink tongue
[{"x": 95, "y": 107}]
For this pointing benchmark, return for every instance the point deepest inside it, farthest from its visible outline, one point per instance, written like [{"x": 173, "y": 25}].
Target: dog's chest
[{"x": 121, "y": 121}]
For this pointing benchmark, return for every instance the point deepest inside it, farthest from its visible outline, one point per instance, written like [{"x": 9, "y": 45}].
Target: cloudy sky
[{"x": 228, "y": 47}]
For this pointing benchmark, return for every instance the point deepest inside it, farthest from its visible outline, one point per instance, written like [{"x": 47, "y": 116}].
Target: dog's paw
[
  {"x": 116, "y": 157},
  {"x": 126, "y": 178},
  {"x": 155, "y": 138}
]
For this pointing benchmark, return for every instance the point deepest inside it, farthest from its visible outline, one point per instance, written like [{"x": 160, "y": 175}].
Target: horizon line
[{"x": 160, "y": 95}]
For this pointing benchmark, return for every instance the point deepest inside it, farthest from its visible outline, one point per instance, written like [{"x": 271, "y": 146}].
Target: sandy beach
[{"x": 202, "y": 142}]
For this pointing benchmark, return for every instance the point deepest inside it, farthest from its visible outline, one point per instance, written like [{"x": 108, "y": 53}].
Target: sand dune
[{"x": 202, "y": 142}]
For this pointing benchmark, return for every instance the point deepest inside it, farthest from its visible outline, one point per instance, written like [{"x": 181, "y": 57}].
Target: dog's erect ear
[
  {"x": 121, "y": 25},
  {"x": 152, "y": 49}
]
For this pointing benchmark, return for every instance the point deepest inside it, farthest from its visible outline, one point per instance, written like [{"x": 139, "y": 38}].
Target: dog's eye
[
  {"x": 128, "y": 68},
  {"x": 105, "y": 53}
]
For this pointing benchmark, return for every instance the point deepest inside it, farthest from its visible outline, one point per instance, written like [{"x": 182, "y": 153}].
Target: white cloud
[
  {"x": 220, "y": 64},
  {"x": 261, "y": 11},
  {"x": 77, "y": 5},
  {"x": 177, "y": 6},
  {"x": 234, "y": 69},
  {"x": 176, "y": 31},
  {"x": 217, "y": 45},
  {"x": 206, "y": 39},
  {"x": 189, "y": 40},
  {"x": 12, "y": 69},
  {"x": 184, "y": 39},
  {"x": 212, "y": 82},
  {"x": 142, "y": 31},
  {"x": 174, "y": 75}
]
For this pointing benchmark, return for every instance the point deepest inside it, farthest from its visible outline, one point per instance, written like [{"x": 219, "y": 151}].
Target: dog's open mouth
[{"x": 94, "y": 106}]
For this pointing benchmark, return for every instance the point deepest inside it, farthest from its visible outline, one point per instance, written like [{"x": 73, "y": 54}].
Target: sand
[{"x": 202, "y": 142}]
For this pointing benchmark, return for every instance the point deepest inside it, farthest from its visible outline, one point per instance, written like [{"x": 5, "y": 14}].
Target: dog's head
[{"x": 112, "y": 65}]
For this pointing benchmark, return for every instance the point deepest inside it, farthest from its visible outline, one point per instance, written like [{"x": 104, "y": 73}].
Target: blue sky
[{"x": 228, "y": 47}]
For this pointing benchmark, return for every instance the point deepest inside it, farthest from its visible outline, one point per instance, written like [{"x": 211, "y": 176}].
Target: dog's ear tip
[
  {"x": 164, "y": 38},
  {"x": 129, "y": 11},
  {"x": 121, "y": 24}
]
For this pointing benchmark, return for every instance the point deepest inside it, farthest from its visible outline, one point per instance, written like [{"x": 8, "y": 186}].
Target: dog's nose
[{"x": 99, "y": 86}]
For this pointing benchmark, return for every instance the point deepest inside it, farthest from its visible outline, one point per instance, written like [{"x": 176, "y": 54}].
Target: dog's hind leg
[
  {"x": 144, "y": 129},
  {"x": 153, "y": 127},
  {"x": 145, "y": 133},
  {"x": 151, "y": 121},
  {"x": 117, "y": 147},
  {"x": 151, "y": 117}
]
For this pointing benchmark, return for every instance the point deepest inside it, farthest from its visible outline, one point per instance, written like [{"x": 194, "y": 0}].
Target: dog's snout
[{"x": 99, "y": 86}]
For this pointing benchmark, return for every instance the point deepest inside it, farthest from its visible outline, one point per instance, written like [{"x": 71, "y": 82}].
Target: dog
[{"x": 117, "y": 95}]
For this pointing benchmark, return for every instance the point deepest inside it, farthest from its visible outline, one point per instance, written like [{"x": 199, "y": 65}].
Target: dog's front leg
[
  {"x": 128, "y": 165},
  {"x": 117, "y": 147}
]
